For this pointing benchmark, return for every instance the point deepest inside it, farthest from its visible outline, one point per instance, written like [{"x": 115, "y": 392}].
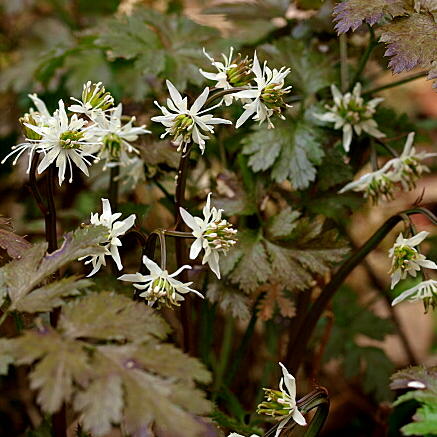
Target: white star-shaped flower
[
  {"x": 159, "y": 285},
  {"x": 229, "y": 74},
  {"x": 424, "y": 290},
  {"x": 212, "y": 233},
  {"x": 406, "y": 259},
  {"x": 266, "y": 98},
  {"x": 185, "y": 124},
  {"x": 351, "y": 113},
  {"x": 116, "y": 138},
  {"x": 64, "y": 141},
  {"x": 115, "y": 230}
]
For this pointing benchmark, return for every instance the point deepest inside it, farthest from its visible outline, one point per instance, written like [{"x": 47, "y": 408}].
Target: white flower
[
  {"x": 64, "y": 141},
  {"x": 234, "y": 434},
  {"x": 95, "y": 100},
  {"x": 283, "y": 402},
  {"x": 115, "y": 138},
  {"x": 408, "y": 168},
  {"x": 40, "y": 117},
  {"x": 406, "y": 259},
  {"x": 375, "y": 185},
  {"x": 115, "y": 230},
  {"x": 230, "y": 73},
  {"x": 424, "y": 290},
  {"x": 187, "y": 125},
  {"x": 351, "y": 113},
  {"x": 212, "y": 233},
  {"x": 159, "y": 285},
  {"x": 267, "y": 97}
]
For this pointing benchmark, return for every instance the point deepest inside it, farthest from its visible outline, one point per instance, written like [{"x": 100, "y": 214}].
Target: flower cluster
[
  {"x": 281, "y": 403},
  {"x": 351, "y": 113},
  {"x": 93, "y": 132},
  {"x": 213, "y": 234},
  {"x": 260, "y": 89},
  {"x": 116, "y": 228},
  {"x": 160, "y": 286},
  {"x": 403, "y": 171}
]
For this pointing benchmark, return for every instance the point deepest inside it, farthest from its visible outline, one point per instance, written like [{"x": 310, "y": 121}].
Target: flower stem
[
  {"x": 296, "y": 348},
  {"x": 365, "y": 58},
  {"x": 4, "y": 317},
  {"x": 50, "y": 216},
  {"x": 344, "y": 69},
  {"x": 225, "y": 352},
  {"x": 407, "y": 79},
  {"x": 113, "y": 187},
  {"x": 222, "y": 93},
  {"x": 178, "y": 234}
]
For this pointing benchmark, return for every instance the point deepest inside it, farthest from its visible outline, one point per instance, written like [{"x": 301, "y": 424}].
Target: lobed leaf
[{"x": 350, "y": 14}]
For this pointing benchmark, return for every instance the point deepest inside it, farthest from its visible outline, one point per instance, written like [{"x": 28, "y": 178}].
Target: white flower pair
[{"x": 404, "y": 170}]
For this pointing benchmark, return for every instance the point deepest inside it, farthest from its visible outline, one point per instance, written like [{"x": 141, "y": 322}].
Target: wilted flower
[
  {"x": 115, "y": 230},
  {"x": 159, "y": 285},
  {"x": 376, "y": 185},
  {"x": 351, "y": 113},
  {"x": 187, "y": 125},
  {"x": 408, "y": 168},
  {"x": 212, "y": 233},
  {"x": 267, "y": 97},
  {"x": 406, "y": 258},
  {"x": 115, "y": 138},
  {"x": 231, "y": 73},
  {"x": 282, "y": 403},
  {"x": 94, "y": 99},
  {"x": 426, "y": 291}
]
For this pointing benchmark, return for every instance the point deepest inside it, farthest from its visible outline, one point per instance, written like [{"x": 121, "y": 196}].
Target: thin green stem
[
  {"x": 225, "y": 352},
  {"x": 407, "y": 79},
  {"x": 114, "y": 173},
  {"x": 244, "y": 344},
  {"x": 296, "y": 349},
  {"x": 177, "y": 234},
  {"x": 344, "y": 68},
  {"x": 365, "y": 58},
  {"x": 222, "y": 93}
]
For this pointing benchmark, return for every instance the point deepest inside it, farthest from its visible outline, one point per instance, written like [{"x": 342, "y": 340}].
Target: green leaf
[
  {"x": 311, "y": 70},
  {"x": 425, "y": 421},
  {"x": 113, "y": 373},
  {"x": 113, "y": 317},
  {"x": 23, "y": 275},
  {"x": 291, "y": 151},
  {"x": 50, "y": 296},
  {"x": 167, "y": 45},
  {"x": 282, "y": 224},
  {"x": 253, "y": 267}
]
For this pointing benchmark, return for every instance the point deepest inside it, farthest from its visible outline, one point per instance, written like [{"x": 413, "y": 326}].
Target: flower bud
[{"x": 27, "y": 131}]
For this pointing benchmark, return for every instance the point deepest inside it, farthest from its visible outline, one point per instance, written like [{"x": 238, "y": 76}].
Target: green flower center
[
  {"x": 240, "y": 75},
  {"x": 273, "y": 97},
  {"x": 97, "y": 97},
  {"x": 182, "y": 126},
  {"x": 220, "y": 235},
  {"x": 276, "y": 404},
  {"x": 355, "y": 111},
  {"x": 402, "y": 255},
  {"x": 70, "y": 139},
  {"x": 112, "y": 143}
]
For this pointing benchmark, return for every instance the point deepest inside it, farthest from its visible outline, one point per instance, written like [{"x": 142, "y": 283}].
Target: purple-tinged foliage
[{"x": 350, "y": 14}]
